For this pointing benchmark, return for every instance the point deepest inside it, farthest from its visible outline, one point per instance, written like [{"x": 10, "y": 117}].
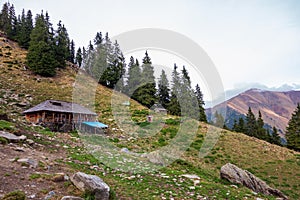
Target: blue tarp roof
[{"x": 96, "y": 124}]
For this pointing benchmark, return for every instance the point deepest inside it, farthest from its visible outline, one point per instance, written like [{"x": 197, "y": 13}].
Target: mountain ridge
[{"x": 276, "y": 107}]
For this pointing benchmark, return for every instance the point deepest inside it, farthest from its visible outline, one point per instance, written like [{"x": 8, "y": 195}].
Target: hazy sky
[{"x": 248, "y": 41}]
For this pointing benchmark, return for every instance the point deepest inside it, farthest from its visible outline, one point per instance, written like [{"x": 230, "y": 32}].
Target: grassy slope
[{"x": 278, "y": 166}]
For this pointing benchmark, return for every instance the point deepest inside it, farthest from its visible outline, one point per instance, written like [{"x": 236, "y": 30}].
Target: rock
[
  {"x": 11, "y": 137},
  {"x": 238, "y": 176},
  {"x": 91, "y": 183},
  {"x": 59, "y": 177},
  {"x": 191, "y": 176},
  {"x": 29, "y": 162},
  {"x": 71, "y": 198},
  {"x": 49, "y": 195},
  {"x": 23, "y": 104},
  {"x": 154, "y": 158},
  {"x": 30, "y": 141}
]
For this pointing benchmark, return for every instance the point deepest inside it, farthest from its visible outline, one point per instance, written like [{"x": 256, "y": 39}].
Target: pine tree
[
  {"x": 241, "y": 126},
  {"x": 174, "y": 106},
  {"x": 199, "y": 96},
  {"x": 25, "y": 29},
  {"x": 293, "y": 130},
  {"x": 187, "y": 98},
  {"x": 12, "y": 30},
  {"x": 163, "y": 90},
  {"x": 62, "y": 45},
  {"x": 78, "y": 59},
  {"x": 72, "y": 52},
  {"x": 275, "y": 138},
  {"x": 41, "y": 55},
  {"x": 219, "y": 120},
  {"x": 5, "y": 23},
  {"x": 146, "y": 94},
  {"x": 134, "y": 78},
  {"x": 261, "y": 132},
  {"x": 251, "y": 126},
  {"x": 98, "y": 39}
]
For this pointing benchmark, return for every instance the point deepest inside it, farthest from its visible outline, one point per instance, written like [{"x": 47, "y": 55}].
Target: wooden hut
[{"x": 59, "y": 115}]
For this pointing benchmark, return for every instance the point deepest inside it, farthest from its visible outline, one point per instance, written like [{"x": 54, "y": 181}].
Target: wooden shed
[{"x": 59, "y": 115}]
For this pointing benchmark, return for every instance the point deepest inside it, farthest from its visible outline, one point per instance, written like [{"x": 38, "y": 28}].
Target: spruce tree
[
  {"x": 293, "y": 130},
  {"x": 146, "y": 93},
  {"x": 5, "y": 23},
  {"x": 241, "y": 126},
  {"x": 134, "y": 78},
  {"x": 163, "y": 90},
  {"x": 251, "y": 126},
  {"x": 71, "y": 57},
  {"x": 261, "y": 132},
  {"x": 219, "y": 120},
  {"x": 12, "y": 30},
  {"x": 61, "y": 45},
  {"x": 25, "y": 29},
  {"x": 78, "y": 59},
  {"x": 174, "y": 106},
  {"x": 199, "y": 96},
  {"x": 275, "y": 138},
  {"x": 41, "y": 55}
]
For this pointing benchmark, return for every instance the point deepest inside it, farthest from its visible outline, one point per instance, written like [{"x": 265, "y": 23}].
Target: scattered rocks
[
  {"x": 238, "y": 176},
  {"x": 71, "y": 198},
  {"x": 11, "y": 137},
  {"x": 91, "y": 183}
]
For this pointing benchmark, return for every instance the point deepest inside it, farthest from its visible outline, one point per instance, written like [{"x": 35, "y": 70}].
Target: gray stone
[
  {"x": 11, "y": 137},
  {"x": 238, "y": 176},
  {"x": 49, "y": 195},
  {"x": 91, "y": 183},
  {"x": 29, "y": 162},
  {"x": 71, "y": 198}
]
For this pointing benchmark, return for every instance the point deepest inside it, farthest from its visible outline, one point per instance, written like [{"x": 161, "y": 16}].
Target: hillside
[
  {"x": 276, "y": 107},
  {"x": 66, "y": 152}
]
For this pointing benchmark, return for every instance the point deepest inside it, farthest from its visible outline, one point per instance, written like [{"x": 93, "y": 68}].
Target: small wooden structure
[{"x": 59, "y": 115}]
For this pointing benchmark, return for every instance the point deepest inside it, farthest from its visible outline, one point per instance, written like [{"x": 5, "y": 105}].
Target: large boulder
[
  {"x": 239, "y": 176},
  {"x": 11, "y": 137},
  {"x": 92, "y": 184}
]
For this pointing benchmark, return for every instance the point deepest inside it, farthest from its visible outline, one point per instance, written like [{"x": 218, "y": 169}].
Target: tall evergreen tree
[
  {"x": 78, "y": 59},
  {"x": 12, "y": 30},
  {"x": 261, "y": 132},
  {"x": 61, "y": 45},
  {"x": 275, "y": 138},
  {"x": 293, "y": 130},
  {"x": 71, "y": 57},
  {"x": 25, "y": 28},
  {"x": 163, "y": 90},
  {"x": 174, "y": 106},
  {"x": 134, "y": 78},
  {"x": 251, "y": 126},
  {"x": 146, "y": 93},
  {"x": 219, "y": 120},
  {"x": 41, "y": 55},
  {"x": 199, "y": 96},
  {"x": 5, "y": 22}
]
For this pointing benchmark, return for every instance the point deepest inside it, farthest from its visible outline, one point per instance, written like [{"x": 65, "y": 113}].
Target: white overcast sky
[{"x": 253, "y": 41}]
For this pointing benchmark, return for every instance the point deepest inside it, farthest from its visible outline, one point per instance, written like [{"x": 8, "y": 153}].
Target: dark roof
[{"x": 60, "y": 106}]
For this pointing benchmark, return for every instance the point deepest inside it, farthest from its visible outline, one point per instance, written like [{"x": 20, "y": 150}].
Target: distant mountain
[{"x": 276, "y": 107}]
